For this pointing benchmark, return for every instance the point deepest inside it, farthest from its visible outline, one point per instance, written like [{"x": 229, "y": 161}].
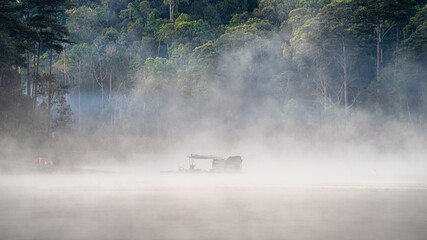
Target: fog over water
[
  {"x": 113, "y": 206},
  {"x": 363, "y": 184},
  {"x": 288, "y": 189},
  {"x": 354, "y": 186}
]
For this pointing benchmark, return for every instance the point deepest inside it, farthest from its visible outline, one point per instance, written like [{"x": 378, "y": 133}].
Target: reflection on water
[{"x": 203, "y": 207}]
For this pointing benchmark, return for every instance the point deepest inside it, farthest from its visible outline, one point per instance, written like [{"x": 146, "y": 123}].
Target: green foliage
[
  {"x": 416, "y": 36},
  {"x": 298, "y": 17},
  {"x": 183, "y": 18},
  {"x": 337, "y": 19},
  {"x": 132, "y": 50},
  {"x": 17, "y": 116},
  {"x": 312, "y": 4},
  {"x": 239, "y": 18},
  {"x": 212, "y": 15},
  {"x": 158, "y": 68},
  {"x": 180, "y": 55},
  {"x": 205, "y": 54},
  {"x": 85, "y": 23},
  {"x": 271, "y": 10},
  {"x": 202, "y": 31},
  {"x": 63, "y": 111},
  {"x": 184, "y": 30},
  {"x": 111, "y": 34},
  {"x": 237, "y": 37},
  {"x": 15, "y": 36}
]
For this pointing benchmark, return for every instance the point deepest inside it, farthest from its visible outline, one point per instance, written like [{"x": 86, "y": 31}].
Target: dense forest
[{"x": 157, "y": 69}]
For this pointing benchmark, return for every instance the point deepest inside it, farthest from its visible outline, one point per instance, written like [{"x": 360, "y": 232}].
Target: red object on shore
[{"x": 43, "y": 161}]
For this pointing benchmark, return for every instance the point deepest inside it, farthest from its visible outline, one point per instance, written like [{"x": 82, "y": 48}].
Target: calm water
[{"x": 103, "y": 206}]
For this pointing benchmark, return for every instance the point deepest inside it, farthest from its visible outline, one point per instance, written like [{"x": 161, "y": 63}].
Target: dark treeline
[{"x": 158, "y": 68}]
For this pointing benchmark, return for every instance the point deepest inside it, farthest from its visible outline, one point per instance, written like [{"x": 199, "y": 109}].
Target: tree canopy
[{"x": 320, "y": 62}]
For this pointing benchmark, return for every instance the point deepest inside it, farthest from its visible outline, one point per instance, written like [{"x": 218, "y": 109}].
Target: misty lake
[{"x": 108, "y": 206}]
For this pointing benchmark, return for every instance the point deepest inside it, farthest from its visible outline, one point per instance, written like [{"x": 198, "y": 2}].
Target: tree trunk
[
  {"x": 167, "y": 49},
  {"x": 111, "y": 77},
  {"x": 345, "y": 77},
  {"x": 1, "y": 79},
  {"x": 38, "y": 58},
  {"x": 378, "y": 51},
  {"x": 49, "y": 121},
  {"x": 66, "y": 79},
  {"x": 102, "y": 95},
  {"x": 38, "y": 53},
  {"x": 171, "y": 8},
  {"x": 65, "y": 69},
  {"x": 396, "y": 51},
  {"x": 381, "y": 46},
  {"x": 101, "y": 79},
  {"x": 50, "y": 93},
  {"x": 28, "y": 60},
  {"x": 49, "y": 100},
  {"x": 79, "y": 66},
  {"x": 34, "y": 74},
  {"x": 36, "y": 78},
  {"x": 409, "y": 111},
  {"x": 28, "y": 74},
  {"x": 158, "y": 121},
  {"x": 51, "y": 54},
  {"x": 325, "y": 95}
]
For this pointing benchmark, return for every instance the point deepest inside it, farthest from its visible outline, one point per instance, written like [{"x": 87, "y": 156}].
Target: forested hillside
[{"x": 158, "y": 69}]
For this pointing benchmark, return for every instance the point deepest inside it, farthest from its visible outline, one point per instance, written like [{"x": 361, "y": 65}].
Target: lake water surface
[{"x": 109, "y": 206}]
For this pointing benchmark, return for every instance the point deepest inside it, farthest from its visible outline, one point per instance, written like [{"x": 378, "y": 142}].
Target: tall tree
[
  {"x": 336, "y": 29},
  {"x": 78, "y": 57},
  {"x": 16, "y": 37},
  {"x": 416, "y": 36},
  {"x": 171, "y": 4},
  {"x": 379, "y": 17},
  {"x": 400, "y": 13},
  {"x": 53, "y": 34}
]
